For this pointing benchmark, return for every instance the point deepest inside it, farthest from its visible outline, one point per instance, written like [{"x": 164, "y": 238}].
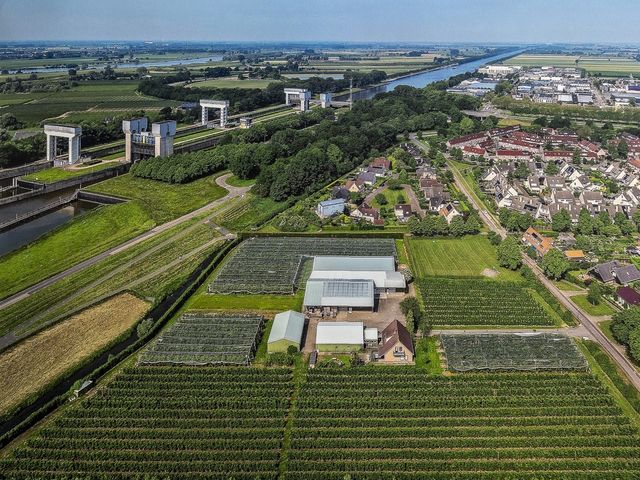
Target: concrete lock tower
[
  {"x": 222, "y": 105},
  {"x": 72, "y": 133},
  {"x": 135, "y": 126},
  {"x": 325, "y": 100},
  {"x": 302, "y": 94},
  {"x": 141, "y": 143}
]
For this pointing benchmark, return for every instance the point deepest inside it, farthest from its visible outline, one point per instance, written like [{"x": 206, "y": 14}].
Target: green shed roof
[{"x": 287, "y": 326}]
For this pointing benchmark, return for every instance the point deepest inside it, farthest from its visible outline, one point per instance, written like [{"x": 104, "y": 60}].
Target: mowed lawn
[
  {"x": 454, "y": 257},
  {"x": 29, "y": 367}
]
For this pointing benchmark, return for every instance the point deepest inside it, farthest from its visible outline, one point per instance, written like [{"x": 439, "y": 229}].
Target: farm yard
[
  {"x": 273, "y": 265},
  {"x": 605, "y": 66},
  {"x": 480, "y": 302},
  {"x": 205, "y": 338},
  {"x": 540, "y": 351}
]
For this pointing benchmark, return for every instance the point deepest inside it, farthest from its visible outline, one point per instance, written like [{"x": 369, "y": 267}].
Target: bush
[{"x": 144, "y": 327}]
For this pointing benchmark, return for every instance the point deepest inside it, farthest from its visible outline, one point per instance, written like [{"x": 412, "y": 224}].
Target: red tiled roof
[{"x": 392, "y": 334}]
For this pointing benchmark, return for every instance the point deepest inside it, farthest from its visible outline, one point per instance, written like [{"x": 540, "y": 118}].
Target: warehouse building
[
  {"x": 350, "y": 283},
  {"x": 339, "y": 337},
  {"x": 286, "y": 331}
]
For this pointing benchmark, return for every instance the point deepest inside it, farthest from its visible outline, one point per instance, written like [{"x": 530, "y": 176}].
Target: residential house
[
  {"x": 368, "y": 214},
  {"x": 472, "y": 139},
  {"x": 562, "y": 197},
  {"x": 540, "y": 243},
  {"x": 366, "y": 178},
  {"x": 381, "y": 162},
  {"x": 402, "y": 211},
  {"x": 449, "y": 212},
  {"x": 471, "y": 151},
  {"x": 353, "y": 186},
  {"x": 580, "y": 183},
  {"x": 340, "y": 192},
  {"x": 552, "y": 155},
  {"x": 555, "y": 182},
  {"x": 593, "y": 201},
  {"x": 534, "y": 183},
  {"x": 511, "y": 155},
  {"x": 614, "y": 270},
  {"x": 627, "y": 297},
  {"x": 395, "y": 344}
]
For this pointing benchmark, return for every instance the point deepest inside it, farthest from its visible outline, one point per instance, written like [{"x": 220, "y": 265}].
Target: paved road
[
  {"x": 588, "y": 323},
  {"x": 221, "y": 180}
]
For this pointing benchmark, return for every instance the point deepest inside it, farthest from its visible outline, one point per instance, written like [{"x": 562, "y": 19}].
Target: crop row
[
  {"x": 480, "y": 302},
  {"x": 232, "y": 427},
  {"x": 272, "y": 265}
]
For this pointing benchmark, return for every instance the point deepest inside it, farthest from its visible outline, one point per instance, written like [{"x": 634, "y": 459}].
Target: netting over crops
[
  {"x": 201, "y": 338},
  {"x": 511, "y": 351},
  {"x": 274, "y": 265}
]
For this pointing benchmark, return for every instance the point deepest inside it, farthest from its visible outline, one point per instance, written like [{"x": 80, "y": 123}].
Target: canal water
[
  {"x": 425, "y": 78},
  {"x": 26, "y": 233}
]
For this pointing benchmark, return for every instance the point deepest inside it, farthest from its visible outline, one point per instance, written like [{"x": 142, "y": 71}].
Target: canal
[
  {"x": 26, "y": 233},
  {"x": 422, "y": 79}
]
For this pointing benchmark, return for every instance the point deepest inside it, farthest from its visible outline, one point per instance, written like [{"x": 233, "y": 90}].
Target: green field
[
  {"x": 56, "y": 174},
  {"x": 454, "y": 257},
  {"x": 596, "y": 310},
  {"x": 162, "y": 201},
  {"x": 232, "y": 82},
  {"x": 275, "y": 303},
  {"x": 476, "y": 302},
  {"x": 607, "y": 66},
  {"x": 237, "y": 182},
  {"x": 118, "y": 95},
  {"x": 152, "y": 203}
]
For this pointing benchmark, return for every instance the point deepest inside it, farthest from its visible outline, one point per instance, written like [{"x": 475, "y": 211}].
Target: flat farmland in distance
[
  {"x": 613, "y": 66},
  {"x": 119, "y": 95},
  {"x": 454, "y": 257},
  {"x": 232, "y": 82},
  {"x": 43, "y": 358}
]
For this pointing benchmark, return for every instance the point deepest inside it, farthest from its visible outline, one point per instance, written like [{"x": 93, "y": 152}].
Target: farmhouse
[
  {"x": 335, "y": 337},
  {"x": 395, "y": 344},
  {"x": 541, "y": 244},
  {"x": 286, "y": 331},
  {"x": 614, "y": 270}
]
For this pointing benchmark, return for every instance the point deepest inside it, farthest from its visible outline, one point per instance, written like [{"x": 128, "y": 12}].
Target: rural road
[
  {"x": 233, "y": 192},
  {"x": 589, "y": 325}
]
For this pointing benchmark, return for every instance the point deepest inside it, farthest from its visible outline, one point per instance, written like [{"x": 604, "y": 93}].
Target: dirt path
[{"x": 233, "y": 192}]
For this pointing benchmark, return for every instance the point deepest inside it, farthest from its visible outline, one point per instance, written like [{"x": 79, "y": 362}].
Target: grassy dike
[{"x": 151, "y": 203}]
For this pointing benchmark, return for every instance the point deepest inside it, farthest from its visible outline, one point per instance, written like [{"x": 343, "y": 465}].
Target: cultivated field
[
  {"x": 206, "y": 338},
  {"x": 449, "y": 257},
  {"x": 479, "y": 302},
  {"x": 232, "y": 82},
  {"x": 33, "y": 364},
  {"x": 119, "y": 95},
  {"x": 606, "y": 66},
  {"x": 272, "y": 265},
  {"x": 400, "y": 423},
  {"x": 540, "y": 351},
  {"x": 167, "y": 422}
]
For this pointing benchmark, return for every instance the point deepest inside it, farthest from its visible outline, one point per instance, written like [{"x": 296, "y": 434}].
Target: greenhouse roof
[
  {"x": 287, "y": 326},
  {"x": 339, "y": 293}
]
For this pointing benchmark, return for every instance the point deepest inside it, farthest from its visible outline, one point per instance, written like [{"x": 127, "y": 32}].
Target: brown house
[
  {"x": 395, "y": 344},
  {"x": 541, "y": 244}
]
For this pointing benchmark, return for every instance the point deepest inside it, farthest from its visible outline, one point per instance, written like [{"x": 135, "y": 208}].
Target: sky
[{"x": 502, "y": 21}]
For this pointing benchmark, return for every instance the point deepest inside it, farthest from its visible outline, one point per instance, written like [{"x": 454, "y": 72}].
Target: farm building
[
  {"x": 348, "y": 282},
  {"x": 395, "y": 344},
  {"x": 329, "y": 208},
  {"x": 335, "y": 337},
  {"x": 286, "y": 331}
]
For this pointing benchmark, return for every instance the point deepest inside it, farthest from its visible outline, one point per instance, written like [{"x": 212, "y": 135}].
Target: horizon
[{"x": 359, "y": 21}]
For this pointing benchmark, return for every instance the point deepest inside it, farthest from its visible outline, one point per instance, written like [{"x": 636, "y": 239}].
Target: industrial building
[
  {"x": 339, "y": 337},
  {"x": 347, "y": 283},
  {"x": 141, "y": 143},
  {"x": 286, "y": 331}
]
